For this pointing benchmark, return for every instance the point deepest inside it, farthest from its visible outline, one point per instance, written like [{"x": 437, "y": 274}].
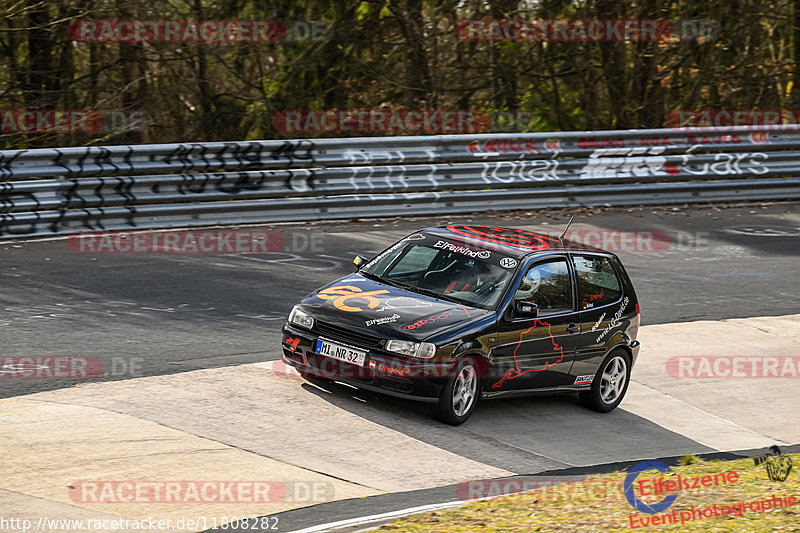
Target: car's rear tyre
[
  {"x": 459, "y": 394},
  {"x": 610, "y": 383}
]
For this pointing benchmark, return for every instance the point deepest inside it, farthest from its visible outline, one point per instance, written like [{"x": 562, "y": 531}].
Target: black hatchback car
[{"x": 450, "y": 315}]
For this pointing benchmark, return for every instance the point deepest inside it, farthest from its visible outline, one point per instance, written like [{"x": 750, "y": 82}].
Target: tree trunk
[{"x": 612, "y": 62}]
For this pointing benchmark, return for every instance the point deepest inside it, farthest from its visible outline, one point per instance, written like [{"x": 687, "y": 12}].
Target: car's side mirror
[
  {"x": 526, "y": 309},
  {"x": 359, "y": 261}
]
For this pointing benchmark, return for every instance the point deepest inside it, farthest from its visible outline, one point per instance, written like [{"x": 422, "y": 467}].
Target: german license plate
[{"x": 342, "y": 353}]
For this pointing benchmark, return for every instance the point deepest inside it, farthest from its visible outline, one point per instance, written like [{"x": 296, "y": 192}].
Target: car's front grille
[
  {"x": 338, "y": 333},
  {"x": 294, "y": 356},
  {"x": 400, "y": 385}
]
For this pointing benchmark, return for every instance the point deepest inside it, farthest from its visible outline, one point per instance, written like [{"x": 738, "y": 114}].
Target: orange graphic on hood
[{"x": 342, "y": 293}]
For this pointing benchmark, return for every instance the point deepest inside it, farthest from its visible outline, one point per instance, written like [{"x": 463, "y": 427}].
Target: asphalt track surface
[
  {"x": 154, "y": 314},
  {"x": 168, "y": 314}
]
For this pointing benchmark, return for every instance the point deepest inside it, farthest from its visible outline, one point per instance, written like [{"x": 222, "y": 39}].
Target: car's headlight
[
  {"x": 300, "y": 318},
  {"x": 423, "y": 350}
]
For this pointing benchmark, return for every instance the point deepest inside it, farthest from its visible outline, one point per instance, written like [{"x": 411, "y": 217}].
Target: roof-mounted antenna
[{"x": 561, "y": 237}]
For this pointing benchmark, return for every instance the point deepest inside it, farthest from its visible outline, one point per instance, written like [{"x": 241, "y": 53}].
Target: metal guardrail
[{"x": 64, "y": 190}]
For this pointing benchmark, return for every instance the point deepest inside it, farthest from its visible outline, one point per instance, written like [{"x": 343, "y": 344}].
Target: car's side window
[
  {"x": 548, "y": 286},
  {"x": 597, "y": 282}
]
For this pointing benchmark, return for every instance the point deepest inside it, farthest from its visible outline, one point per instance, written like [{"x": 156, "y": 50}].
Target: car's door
[
  {"x": 599, "y": 293},
  {"x": 537, "y": 352}
]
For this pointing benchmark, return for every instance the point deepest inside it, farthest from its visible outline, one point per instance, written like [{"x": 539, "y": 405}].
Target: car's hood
[{"x": 386, "y": 311}]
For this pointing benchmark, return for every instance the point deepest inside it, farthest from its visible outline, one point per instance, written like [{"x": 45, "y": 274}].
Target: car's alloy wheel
[
  {"x": 610, "y": 383},
  {"x": 459, "y": 394},
  {"x": 464, "y": 391}
]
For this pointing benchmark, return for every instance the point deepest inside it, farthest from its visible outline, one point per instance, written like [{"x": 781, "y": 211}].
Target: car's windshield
[{"x": 446, "y": 269}]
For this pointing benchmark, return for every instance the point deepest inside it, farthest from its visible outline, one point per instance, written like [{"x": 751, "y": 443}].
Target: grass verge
[{"x": 598, "y": 503}]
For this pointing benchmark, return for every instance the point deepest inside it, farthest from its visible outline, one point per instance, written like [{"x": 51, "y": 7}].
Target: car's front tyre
[
  {"x": 460, "y": 394},
  {"x": 610, "y": 383}
]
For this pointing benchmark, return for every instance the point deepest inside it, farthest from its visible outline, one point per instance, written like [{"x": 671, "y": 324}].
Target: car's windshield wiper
[
  {"x": 412, "y": 288},
  {"x": 375, "y": 277}
]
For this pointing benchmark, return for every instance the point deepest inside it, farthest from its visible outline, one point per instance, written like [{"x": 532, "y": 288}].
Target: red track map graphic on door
[{"x": 513, "y": 373}]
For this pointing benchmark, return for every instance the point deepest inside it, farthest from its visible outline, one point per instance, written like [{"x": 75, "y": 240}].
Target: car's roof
[{"x": 509, "y": 241}]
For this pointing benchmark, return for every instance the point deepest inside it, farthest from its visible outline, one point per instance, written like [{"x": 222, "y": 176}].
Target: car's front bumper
[{"x": 408, "y": 379}]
